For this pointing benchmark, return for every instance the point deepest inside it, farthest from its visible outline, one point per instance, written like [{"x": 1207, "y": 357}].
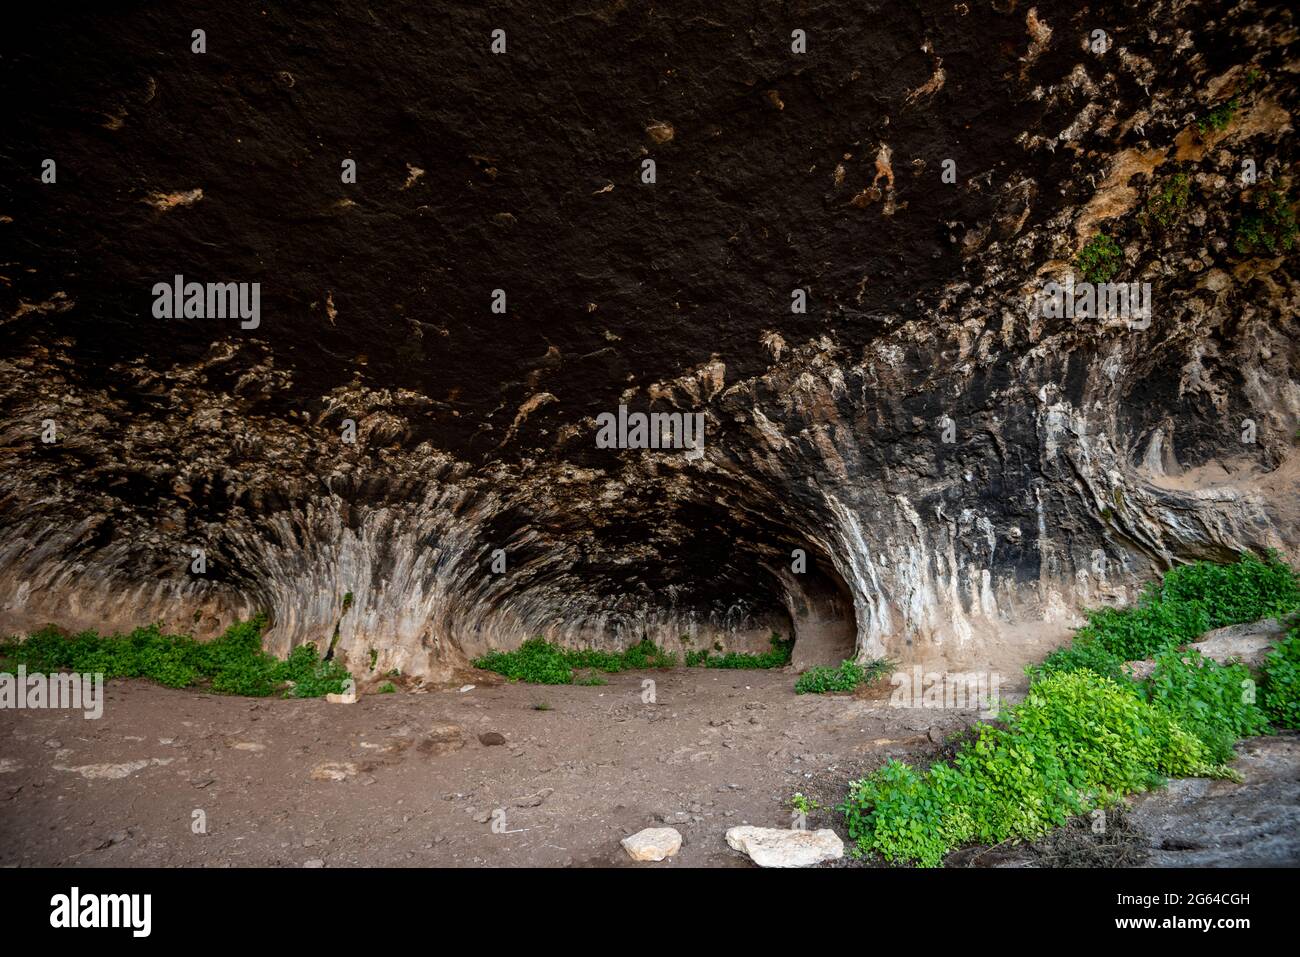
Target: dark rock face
[{"x": 954, "y": 464}]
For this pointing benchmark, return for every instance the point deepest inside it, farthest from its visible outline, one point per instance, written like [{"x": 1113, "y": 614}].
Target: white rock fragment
[
  {"x": 113, "y": 772},
  {"x": 653, "y": 844},
  {"x": 778, "y": 847}
]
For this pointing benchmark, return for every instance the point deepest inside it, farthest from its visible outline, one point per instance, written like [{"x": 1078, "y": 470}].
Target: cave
[{"x": 461, "y": 271}]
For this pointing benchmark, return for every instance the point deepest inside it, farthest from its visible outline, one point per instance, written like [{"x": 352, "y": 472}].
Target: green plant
[
  {"x": 542, "y": 706},
  {"x": 1167, "y": 206},
  {"x": 848, "y": 676},
  {"x": 1280, "y": 686},
  {"x": 1246, "y": 590},
  {"x": 804, "y": 805},
  {"x": 233, "y": 663},
  {"x": 1219, "y": 117},
  {"x": 777, "y": 657},
  {"x": 1086, "y": 734},
  {"x": 1100, "y": 259},
  {"x": 387, "y": 688},
  {"x": 1189, "y": 601},
  {"x": 1212, "y": 701},
  {"x": 537, "y": 661},
  {"x": 1269, "y": 226},
  {"x": 374, "y": 658},
  {"x": 1076, "y": 742}
]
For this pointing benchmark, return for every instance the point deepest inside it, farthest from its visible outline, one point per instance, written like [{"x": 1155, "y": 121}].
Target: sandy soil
[{"x": 407, "y": 778}]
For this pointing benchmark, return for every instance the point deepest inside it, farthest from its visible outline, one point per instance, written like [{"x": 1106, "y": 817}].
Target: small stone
[
  {"x": 653, "y": 844},
  {"x": 534, "y": 800},
  {"x": 464, "y": 688},
  {"x": 779, "y": 847},
  {"x": 490, "y": 738},
  {"x": 314, "y": 862},
  {"x": 350, "y": 698},
  {"x": 333, "y": 771},
  {"x": 660, "y": 132}
]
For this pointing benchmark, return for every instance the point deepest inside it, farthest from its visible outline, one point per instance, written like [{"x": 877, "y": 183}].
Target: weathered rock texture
[{"x": 1087, "y": 455}]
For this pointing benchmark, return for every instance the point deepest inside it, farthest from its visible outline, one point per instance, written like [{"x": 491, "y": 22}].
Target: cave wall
[{"x": 953, "y": 463}]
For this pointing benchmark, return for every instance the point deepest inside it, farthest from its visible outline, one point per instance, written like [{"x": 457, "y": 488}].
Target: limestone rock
[
  {"x": 779, "y": 847},
  {"x": 333, "y": 771},
  {"x": 653, "y": 844}
]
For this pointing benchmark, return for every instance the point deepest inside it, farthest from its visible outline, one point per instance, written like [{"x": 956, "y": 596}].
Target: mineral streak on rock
[{"x": 1085, "y": 456}]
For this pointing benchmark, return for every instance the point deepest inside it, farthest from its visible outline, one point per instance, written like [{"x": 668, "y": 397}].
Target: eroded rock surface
[{"x": 953, "y": 464}]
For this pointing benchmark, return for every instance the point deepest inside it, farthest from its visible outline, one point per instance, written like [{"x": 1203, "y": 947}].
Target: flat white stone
[
  {"x": 653, "y": 844},
  {"x": 779, "y": 847}
]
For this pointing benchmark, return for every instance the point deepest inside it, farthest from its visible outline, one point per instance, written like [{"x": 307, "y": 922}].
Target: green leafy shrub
[
  {"x": 1087, "y": 734},
  {"x": 848, "y": 676},
  {"x": 1082, "y": 654},
  {"x": 233, "y": 663},
  {"x": 1219, "y": 117},
  {"x": 1100, "y": 260},
  {"x": 1076, "y": 742},
  {"x": 1246, "y": 590},
  {"x": 1268, "y": 227},
  {"x": 1190, "y": 600},
  {"x": 1280, "y": 686},
  {"x": 537, "y": 661},
  {"x": 777, "y": 657},
  {"x": 1167, "y": 206},
  {"x": 1212, "y": 701}
]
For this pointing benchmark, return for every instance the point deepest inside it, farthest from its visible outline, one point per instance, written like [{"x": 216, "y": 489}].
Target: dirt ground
[{"x": 408, "y": 779}]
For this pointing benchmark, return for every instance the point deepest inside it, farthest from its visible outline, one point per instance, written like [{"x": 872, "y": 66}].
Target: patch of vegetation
[
  {"x": 1268, "y": 227},
  {"x": 234, "y": 663},
  {"x": 374, "y": 658},
  {"x": 1214, "y": 702},
  {"x": 778, "y": 657},
  {"x": 1076, "y": 742},
  {"x": 804, "y": 805},
  {"x": 1100, "y": 260},
  {"x": 1281, "y": 682},
  {"x": 1190, "y": 600},
  {"x": 537, "y": 661},
  {"x": 1087, "y": 734},
  {"x": 1167, "y": 206},
  {"x": 387, "y": 688},
  {"x": 542, "y": 706},
  {"x": 848, "y": 676},
  {"x": 1217, "y": 119}
]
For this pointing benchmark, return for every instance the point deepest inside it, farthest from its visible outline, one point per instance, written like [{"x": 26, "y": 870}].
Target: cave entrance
[{"x": 821, "y": 608}]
